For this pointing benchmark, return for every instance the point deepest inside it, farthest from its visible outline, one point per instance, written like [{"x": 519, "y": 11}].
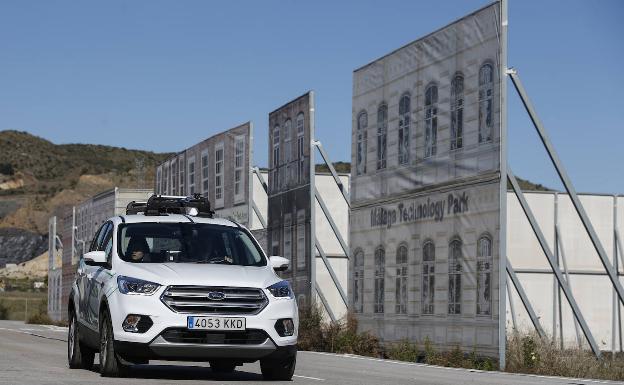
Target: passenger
[{"x": 138, "y": 249}]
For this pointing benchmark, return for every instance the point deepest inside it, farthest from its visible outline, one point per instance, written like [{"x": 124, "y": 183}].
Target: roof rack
[{"x": 195, "y": 205}]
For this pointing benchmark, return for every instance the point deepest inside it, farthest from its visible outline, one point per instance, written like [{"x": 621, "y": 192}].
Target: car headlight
[
  {"x": 281, "y": 289},
  {"x": 128, "y": 285}
]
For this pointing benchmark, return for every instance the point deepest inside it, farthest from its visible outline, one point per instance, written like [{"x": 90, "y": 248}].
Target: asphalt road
[{"x": 36, "y": 354}]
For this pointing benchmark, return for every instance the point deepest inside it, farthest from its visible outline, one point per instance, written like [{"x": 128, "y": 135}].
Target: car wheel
[
  {"x": 78, "y": 355},
  {"x": 279, "y": 370},
  {"x": 110, "y": 365},
  {"x": 222, "y": 366}
]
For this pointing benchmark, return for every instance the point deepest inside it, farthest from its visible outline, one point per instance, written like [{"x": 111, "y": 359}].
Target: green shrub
[
  {"x": 44, "y": 319},
  {"x": 403, "y": 350},
  {"x": 336, "y": 336}
]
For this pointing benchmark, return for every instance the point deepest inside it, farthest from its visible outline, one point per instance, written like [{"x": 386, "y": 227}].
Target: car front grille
[
  {"x": 214, "y": 300},
  {"x": 245, "y": 337}
]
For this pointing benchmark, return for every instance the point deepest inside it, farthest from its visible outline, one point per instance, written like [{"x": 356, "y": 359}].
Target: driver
[{"x": 138, "y": 249}]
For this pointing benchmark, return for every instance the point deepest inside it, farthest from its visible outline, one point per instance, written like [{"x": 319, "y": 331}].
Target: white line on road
[
  {"x": 353, "y": 356},
  {"x": 309, "y": 378}
]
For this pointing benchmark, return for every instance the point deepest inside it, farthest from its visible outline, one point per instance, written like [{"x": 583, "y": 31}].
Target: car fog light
[
  {"x": 285, "y": 327},
  {"x": 135, "y": 323}
]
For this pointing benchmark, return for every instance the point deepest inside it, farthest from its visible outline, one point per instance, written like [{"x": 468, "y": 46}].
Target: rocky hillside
[{"x": 18, "y": 245}]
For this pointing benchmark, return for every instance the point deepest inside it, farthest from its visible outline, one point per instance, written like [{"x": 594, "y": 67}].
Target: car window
[
  {"x": 187, "y": 243},
  {"x": 106, "y": 234},
  {"x": 97, "y": 239}
]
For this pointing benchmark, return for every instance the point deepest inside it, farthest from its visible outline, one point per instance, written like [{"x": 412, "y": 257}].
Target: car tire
[
  {"x": 110, "y": 364},
  {"x": 78, "y": 355},
  {"x": 278, "y": 370},
  {"x": 222, "y": 366}
]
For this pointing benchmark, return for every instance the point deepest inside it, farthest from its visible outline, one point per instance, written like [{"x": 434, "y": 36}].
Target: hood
[{"x": 201, "y": 274}]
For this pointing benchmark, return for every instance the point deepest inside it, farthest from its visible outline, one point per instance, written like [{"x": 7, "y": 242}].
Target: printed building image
[
  {"x": 217, "y": 167},
  {"x": 425, "y": 188},
  {"x": 291, "y": 180},
  {"x": 85, "y": 219}
]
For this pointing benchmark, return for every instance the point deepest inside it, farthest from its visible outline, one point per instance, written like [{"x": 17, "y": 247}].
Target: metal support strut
[
  {"x": 589, "y": 228},
  {"x": 553, "y": 264}
]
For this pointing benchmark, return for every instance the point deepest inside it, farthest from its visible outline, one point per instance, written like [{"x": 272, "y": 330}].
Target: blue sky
[{"x": 162, "y": 75}]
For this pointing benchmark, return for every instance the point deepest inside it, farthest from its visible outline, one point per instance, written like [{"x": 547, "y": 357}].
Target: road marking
[
  {"x": 309, "y": 378},
  {"x": 33, "y": 334},
  {"x": 581, "y": 380}
]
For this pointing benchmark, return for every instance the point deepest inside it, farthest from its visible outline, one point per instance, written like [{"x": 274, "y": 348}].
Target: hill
[{"x": 38, "y": 177}]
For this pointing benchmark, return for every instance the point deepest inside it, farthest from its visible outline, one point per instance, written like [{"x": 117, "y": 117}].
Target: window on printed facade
[
  {"x": 401, "y": 280},
  {"x": 191, "y": 175},
  {"x": 301, "y": 240},
  {"x": 239, "y": 161},
  {"x": 404, "y": 128},
  {"x": 486, "y": 95},
  {"x": 287, "y": 151},
  {"x": 457, "y": 112},
  {"x": 300, "y": 148},
  {"x": 276, "y": 157},
  {"x": 174, "y": 177},
  {"x": 204, "y": 171},
  {"x": 181, "y": 175},
  {"x": 158, "y": 181},
  {"x": 484, "y": 276},
  {"x": 219, "y": 199},
  {"x": 165, "y": 185},
  {"x": 382, "y": 136},
  {"x": 455, "y": 277},
  {"x": 380, "y": 271},
  {"x": 358, "y": 282},
  {"x": 287, "y": 240},
  {"x": 428, "y": 278},
  {"x": 431, "y": 120},
  {"x": 362, "y": 139}
]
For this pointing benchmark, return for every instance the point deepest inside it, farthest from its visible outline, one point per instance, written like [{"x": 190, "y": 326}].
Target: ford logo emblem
[{"x": 216, "y": 295}]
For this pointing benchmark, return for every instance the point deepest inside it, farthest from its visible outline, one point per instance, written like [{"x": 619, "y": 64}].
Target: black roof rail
[
  {"x": 163, "y": 205},
  {"x": 135, "y": 207}
]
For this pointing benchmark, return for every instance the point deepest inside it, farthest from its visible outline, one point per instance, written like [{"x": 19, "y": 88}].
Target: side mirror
[
  {"x": 95, "y": 258},
  {"x": 279, "y": 263}
]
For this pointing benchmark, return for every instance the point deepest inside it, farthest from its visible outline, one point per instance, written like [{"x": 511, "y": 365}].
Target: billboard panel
[
  {"x": 290, "y": 188},
  {"x": 218, "y": 167},
  {"x": 425, "y": 188}
]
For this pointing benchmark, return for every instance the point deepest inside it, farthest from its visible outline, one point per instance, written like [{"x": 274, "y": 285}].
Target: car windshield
[{"x": 187, "y": 243}]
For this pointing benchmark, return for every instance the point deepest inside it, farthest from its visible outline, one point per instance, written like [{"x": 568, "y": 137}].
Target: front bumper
[
  {"x": 164, "y": 318},
  {"x": 160, "y": 349}
]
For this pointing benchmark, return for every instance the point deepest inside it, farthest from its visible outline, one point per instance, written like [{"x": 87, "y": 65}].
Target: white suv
[{"x": 172, "y": 283}]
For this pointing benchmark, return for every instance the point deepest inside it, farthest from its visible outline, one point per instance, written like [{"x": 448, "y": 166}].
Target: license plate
[{"x": 215, "y": 323}]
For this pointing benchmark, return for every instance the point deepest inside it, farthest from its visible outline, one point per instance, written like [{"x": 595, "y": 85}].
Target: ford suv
[{"x": 170, "y": 282}]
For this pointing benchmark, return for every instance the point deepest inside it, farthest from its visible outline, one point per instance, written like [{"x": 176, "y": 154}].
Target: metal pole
[
  {"x": 26, "y": 311},
  {"x": 259, "y": 214},
  {"x": 333, "y": 172},
  {"x": 502, "y": 242},
  {"x": 562, "y": 283},
  {"x": 332, "y": 274},
  {"x": 312, "y": 233},
  {"x": 614, "y": 303},
  {"x": 256, "y": 171},
  {"x": 525, "y": 300},
  {"x": 556, "y": 289},
  {"x": 332, "y": 224},
  {"x": 568, "y": 185},
  {"x": 511, "y": 308},
  {"x": 568, "y": 280},
  {"x": 325, "y": 303}
]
